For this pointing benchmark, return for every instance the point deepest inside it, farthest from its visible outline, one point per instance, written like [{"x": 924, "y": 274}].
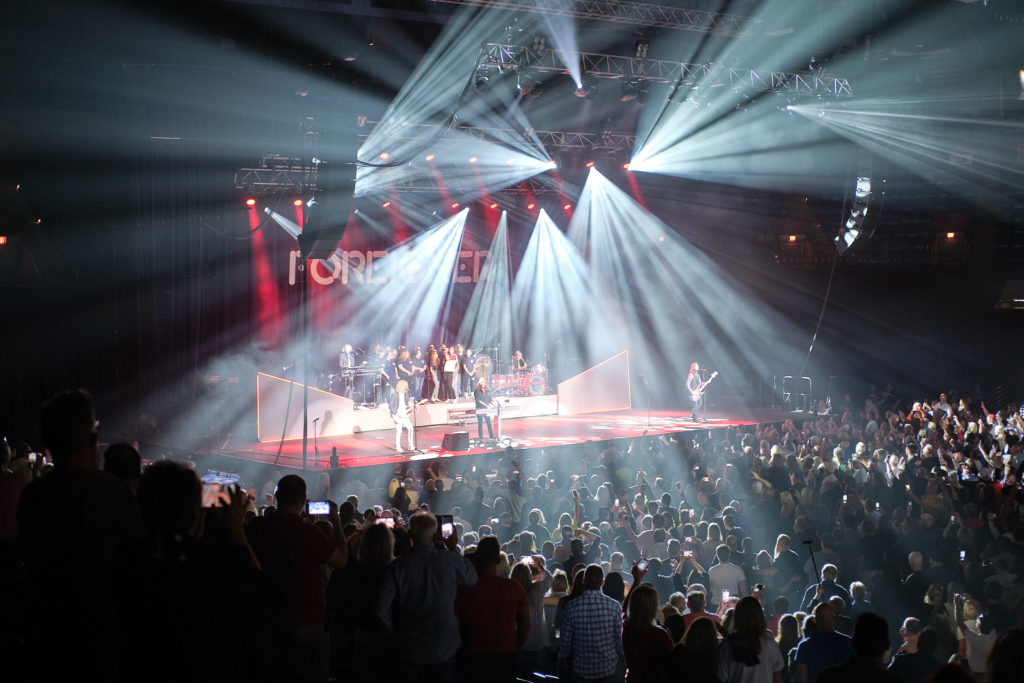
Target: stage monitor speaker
[{"x": 455, "y": 441}]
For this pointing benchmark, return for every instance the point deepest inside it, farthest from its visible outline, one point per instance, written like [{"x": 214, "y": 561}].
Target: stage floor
[{"x": 378, "y": 447}]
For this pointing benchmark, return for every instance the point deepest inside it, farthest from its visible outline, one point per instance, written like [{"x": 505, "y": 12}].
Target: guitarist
[{"x": 695, "y": 388}]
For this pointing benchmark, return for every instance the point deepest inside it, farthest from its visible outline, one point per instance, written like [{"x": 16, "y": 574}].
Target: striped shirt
[{"x": 591, "y": 633}]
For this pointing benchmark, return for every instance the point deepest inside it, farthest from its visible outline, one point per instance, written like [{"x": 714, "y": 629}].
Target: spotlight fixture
[
  {"x": 792, "y": 238},
  {"x": 3, "y": 240},
  {"x": 473, "y": 160},
  {"x": 250, "y": 202},
  {"x": 384, "y": 156},
  {"x": 863, "y": 187},
  {"x": 455, "y": 205},
  {"x": 589, "y": 164},
  {"x": 297, "y": 202},
  {"x": 587, "y": 89},
  {"x": 385, "y": 205},
  {"x": 626, "y": 166},
  {"x": 567, "y": 207},
  {"x": 636, "y": 89},
  {"x": 640, "y": 52},
  {"x": 429, "y": 158},
  {"x": 529, "y": 83},
  {"x": 950, "y": 235},
  {"x": 494, "y": 205},
  {"x": 531, "y": 206}
]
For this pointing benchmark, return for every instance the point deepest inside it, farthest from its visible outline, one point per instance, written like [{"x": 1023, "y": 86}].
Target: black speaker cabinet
[{"x": 455, "y": 441}]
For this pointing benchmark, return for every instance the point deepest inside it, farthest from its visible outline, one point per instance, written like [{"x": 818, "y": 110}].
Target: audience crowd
[{"x": 884, "y": 540}]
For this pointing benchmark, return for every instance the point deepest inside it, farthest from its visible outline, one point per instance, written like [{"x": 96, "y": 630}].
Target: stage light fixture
[
  {"x": 297, "y": 202},
  {"x": 531, "y": 206},
  {"x": 455, "y": 205},
  {"x": 385, "y": 205},
  {"x": 384, "y": 156},
  {"x": 589, "y": 164},
  {"x": 792, "y": 238},
  {"x": 473, "y": 160},
  {"x": 640, "y": 51},
  {"x": 863, "y": 187},
  {"x": 429, "y": 157},
  {"x": 3, "y": 240},
  {"x": 250, "y": 202},
  {"x": 950, "y": 235},
  {"x": 567, "y": 207},
  {"x": 626, "y": 166},
  {"x": 494, "y": 205},
  {"x": 586, "y": 90}
]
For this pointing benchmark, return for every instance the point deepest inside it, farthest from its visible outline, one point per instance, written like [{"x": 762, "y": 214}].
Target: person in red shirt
[
  {"x": 291, "y": 552},
  {"x": 494, "y": 619}
]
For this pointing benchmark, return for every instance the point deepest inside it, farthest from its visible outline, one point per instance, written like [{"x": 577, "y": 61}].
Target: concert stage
[{"x": 373, "y": 448}]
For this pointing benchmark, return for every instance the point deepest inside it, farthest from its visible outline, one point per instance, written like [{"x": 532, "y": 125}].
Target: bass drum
[{"x": 538, "y": 384}]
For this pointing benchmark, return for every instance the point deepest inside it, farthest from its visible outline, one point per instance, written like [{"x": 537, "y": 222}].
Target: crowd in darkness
[{"x": 884, "y": 540}]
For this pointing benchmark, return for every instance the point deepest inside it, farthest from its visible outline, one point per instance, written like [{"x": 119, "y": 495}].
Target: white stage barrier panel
[{"x": 602, "y": 388}]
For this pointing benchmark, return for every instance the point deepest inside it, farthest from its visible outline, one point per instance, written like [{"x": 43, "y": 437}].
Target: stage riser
[{"x": 430, "y": 414}]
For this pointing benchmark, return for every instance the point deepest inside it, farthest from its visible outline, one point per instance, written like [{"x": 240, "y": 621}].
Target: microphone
[
  {"x": 808, "y": 542},
  {"x": 315, "y": 420}
]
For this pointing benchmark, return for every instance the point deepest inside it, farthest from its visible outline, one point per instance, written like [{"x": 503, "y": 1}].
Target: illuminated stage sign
[{"x": 359, "y": 268}]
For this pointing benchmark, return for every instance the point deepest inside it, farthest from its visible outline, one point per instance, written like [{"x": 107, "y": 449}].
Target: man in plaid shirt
[{"x": 591, "y": 633}]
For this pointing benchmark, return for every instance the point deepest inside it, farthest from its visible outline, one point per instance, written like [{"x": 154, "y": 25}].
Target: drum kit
[{"x": 530, "y": 382}]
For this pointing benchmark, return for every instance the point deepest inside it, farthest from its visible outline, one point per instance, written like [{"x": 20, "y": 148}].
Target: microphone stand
[
  {"x": 316, "y": 449},
  {"x": 643, "y": 378},
  {"x": 814, "y": 562}
]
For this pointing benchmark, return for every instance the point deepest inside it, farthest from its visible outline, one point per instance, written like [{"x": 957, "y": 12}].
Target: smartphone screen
[
  {"x": 445, "y": 527},
  {"x": 32, "y": 457},
  {"x": 213, "y": 493},
  {"x": 494, "y": 521},
  {"x": 389, "y": 522},
  {"x": 319, "y": 507},
  {"x": 963, "y": 554},
  {"x": 642, "y": 564}
]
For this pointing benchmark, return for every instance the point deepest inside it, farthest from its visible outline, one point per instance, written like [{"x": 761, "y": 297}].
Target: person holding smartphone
[{"x": 292, "y": 552}]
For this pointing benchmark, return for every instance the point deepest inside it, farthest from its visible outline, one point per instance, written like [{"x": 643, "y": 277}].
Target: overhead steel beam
[
  {"x": 515, "y": 58},
  {"x": 619, "y": 12}
]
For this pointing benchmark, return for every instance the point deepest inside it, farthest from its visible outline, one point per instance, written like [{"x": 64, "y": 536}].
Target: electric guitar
[{"x": 699, "y": 391}]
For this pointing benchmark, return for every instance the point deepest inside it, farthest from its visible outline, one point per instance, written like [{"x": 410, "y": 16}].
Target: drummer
[{"x": 518, "y": 363}]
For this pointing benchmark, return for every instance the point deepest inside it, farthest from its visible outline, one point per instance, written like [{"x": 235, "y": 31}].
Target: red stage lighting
[
  {"x": 950, "y": 235},
  {"x": 590, "y": 164},
  {"x": 385, "y": 205},
  {"x": 626, "y": 166},
  {"x": 531, "y": 206},
  {"x": 297, "y": 202},
  {"x": 250, "y": 202},
  {"x": 3, "y": 240},
  {"x": 455, "y": 205},
  {"x": 567, "y": 206},
  {"x": 494, "y": 205},
  {"x": 429, "y": 157}
]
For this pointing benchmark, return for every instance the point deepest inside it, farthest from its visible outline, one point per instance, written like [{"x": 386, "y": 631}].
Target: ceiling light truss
[
  {"x": 507, "y": 58},
  {"x": 619, "y": 12},
  {"x": 559, "y": 140},
  {"x": 276, "y": 174}
]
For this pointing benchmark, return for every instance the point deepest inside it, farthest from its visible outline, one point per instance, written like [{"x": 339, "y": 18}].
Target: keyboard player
[{"x": 484, "y": 403}]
